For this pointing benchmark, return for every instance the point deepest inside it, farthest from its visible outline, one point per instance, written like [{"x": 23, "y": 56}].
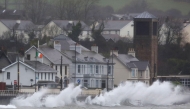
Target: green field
[{"x": 162, "y": 5}]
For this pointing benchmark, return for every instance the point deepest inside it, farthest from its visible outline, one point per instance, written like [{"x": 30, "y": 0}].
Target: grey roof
[
  {"x": 54, "y": 55},
  {"x": 141, "y": 65},
  {"x": 65, "y": 24},
  {"x": 24, "y": 24},
  {"x": 12, "y": 56},
  {"x": 113, "y": 37},
  {"x": 146, "y": 15},
  {"x": 40, "y": 67},
  {"x": 126, "y": 58},
  {"x": 4, "y": 60},
  {"x": 114, "y": 24},
  {"x": 66, "y": 42},
  {"x": 90, "y": 56}
]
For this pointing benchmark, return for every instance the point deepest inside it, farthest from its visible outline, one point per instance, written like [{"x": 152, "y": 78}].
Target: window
[
  {"x": 146, "y": 73},
  {"x": 84, "y": 68},
  {"x": 133, "y": 73},
  {"x": 96, "y": 83},
  {"x": 142, "y": 28},
  {"x": 56, "y": 67},
  {"x": 52, "y": 76},
  {"x": 65, "y": 70},
  {"x": 79, "y": 69},
  {"x": 109, "y": 69},
  {"x": 41, "y": 75},
  {"x": 8, "y": 75},
  {"x": 38, "y": 75},
  {"x": 155, "y": 28},
  {"x": 45, "y": 76},
  {"x": 48, "y": 76},
  {"x": 96, "y": 68},
  {"x": 140, "y": 74},
  {"x": 91, "y": 68},
  {"x": 28, "y": 56},
  {"x": 102, "y": 69}
]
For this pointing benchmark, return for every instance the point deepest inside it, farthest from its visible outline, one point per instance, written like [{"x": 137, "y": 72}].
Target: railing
[{"x": 16, "y": 92}]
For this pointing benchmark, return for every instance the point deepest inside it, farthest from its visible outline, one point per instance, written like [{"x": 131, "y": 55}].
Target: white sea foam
[
  {"x": 7, "y": 106},
  {"x": 41, "y": 98},
  {"x": 159, "y": 93},
  {"x": 140, "y": 94}
]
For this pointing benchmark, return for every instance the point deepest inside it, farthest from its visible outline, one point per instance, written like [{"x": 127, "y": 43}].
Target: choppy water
[{"x": 127, "y": 95}]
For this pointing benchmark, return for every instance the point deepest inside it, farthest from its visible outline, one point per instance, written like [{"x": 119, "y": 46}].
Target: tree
[
  {"x": 35, "y": 9},
  {"x": 76, "y": 31}
]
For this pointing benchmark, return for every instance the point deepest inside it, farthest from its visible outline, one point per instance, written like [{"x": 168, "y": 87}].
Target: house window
[
  {"x": 8, "y": 75},
  {"x": 146, "y": 73},
  {"x": 102, "y": 69},
  {"x": 48, "y": 76},
  {"x": 45, "y": 76},
  {"x": 86, "y": 83},
  {"x": 133, "y": 73},
  {"x": 56, "y": 67},
  {"x": 38, "y": 76},
  {"x": 52, "y": 76},
  {"x": 28, "y": 56},
  {"x": 41, "y": 76},
  {"x": 140, "y": 74},
  {"x": 84, "y": 68},
  {"x": 91, "y": 68},
  {"x": 79, "y": 69},
  {"x": 109, "y": 69},
  {"x": 96, "y": 68},
  {"x": 96, "y": 83}
]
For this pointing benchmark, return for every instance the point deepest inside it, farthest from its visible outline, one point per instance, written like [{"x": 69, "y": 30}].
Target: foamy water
[{"x": 128, "y": 93}]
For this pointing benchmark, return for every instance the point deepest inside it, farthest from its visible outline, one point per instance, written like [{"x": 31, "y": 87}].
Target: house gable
[{"x": 3, "y": 29}]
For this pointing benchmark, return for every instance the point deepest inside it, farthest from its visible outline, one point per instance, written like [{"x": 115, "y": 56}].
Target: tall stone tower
[{"x": 146, "y": 40}]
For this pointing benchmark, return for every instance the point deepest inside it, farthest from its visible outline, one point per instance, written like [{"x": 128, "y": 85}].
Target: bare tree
[{"x": 35, "y": 9}]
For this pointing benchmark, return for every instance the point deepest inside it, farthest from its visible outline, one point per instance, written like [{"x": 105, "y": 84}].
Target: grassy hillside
[{"x": 163, "y": 5}]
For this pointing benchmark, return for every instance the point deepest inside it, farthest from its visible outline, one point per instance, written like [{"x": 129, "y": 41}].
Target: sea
[{"x": 160, "y": 95}]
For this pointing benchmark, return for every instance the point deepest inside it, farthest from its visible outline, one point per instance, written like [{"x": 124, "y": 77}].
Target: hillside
[{"x": 162, "y": 5}]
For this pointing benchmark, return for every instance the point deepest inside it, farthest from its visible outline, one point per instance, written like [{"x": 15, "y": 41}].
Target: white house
[
  {"x": 129, "y": 68},
  {"x": 56, "y": 27},
  {"x": 21, "y": 28},
  {"x": 88, "y": 67},
  {"x": 123, "y": 28},
  {"x": 27, "y": 72}
]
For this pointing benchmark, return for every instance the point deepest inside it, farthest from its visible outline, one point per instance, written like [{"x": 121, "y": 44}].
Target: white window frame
[{"x": 133, "y": 73}]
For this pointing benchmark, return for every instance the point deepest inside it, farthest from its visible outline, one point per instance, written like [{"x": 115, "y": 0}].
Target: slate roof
[
  {"x": 54, "y": 55},
  {"x": 4, "y": 60},
  {"x": 146, "y": 15},
  {"x": 65, "y": 42},
  {"x": 40, "y": 67},
  {"x": 64, "y": 24},
  {"x": 113, "y": 37},
  {"x": 24, "y": 24},
  {"x": 92, "y": 56},
  {"x": 114, "y": 24},
  {"x": 12, "y": 56},
  {"x": 141, "y": 65},
  {"x": 126, "y": 58}
]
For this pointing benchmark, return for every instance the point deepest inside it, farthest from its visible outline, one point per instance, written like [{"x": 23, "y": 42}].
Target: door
[{"x": 103, "y": 84}]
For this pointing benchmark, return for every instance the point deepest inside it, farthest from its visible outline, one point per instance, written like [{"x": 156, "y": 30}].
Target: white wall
[
  {"x": 3, "y": 28},
  {"x": 128, "y": 28}
]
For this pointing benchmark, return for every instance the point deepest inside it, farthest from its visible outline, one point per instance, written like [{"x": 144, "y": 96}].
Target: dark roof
[
  {"x": 40, "y": 67},
  {"x": 4, "y": 61},
  {"x": 24, "y": 24},
  {"x": 12, "y": 56},
  {"x": 67, "y": 24},
  {"x": 113, "y": 37},
  {"x": 146, "y": 15},
  {"x": 141, "y": 65},
  {"x": 126, "y": 58}
]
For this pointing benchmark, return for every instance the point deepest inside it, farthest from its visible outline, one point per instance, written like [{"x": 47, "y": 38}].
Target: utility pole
[
  {"x": 107, "y": 73},
  {"x": 112, "y": 68},
  {"x": 35, "y": 69},
  {"x": 18, "y": 62},
  {"x": 61, "y": 74},
  {"x": 75, "y": 62}
]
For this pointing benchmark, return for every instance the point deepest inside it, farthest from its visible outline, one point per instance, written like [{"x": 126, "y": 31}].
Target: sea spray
[
  {"x": 159, "y": 93},
  {"x": 33, "y": 100},
  {"x": 41, "y": 98},
  {"x": 7, "y": 106}
]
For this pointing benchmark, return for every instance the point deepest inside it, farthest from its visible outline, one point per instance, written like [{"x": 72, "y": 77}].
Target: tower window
[
  {"x": 155, "y": 28},
  {"x": 142, "y": 28}
]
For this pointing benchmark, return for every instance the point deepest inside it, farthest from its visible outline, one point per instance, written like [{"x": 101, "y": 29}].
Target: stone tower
[{"x": 146, "y": 40}]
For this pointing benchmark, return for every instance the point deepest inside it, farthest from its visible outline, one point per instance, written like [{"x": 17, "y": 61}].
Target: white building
[{"x": 27, "y": 72}]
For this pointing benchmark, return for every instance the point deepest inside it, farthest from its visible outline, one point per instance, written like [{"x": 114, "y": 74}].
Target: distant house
[
  {"x": 186, "y": 31},
  {"x": 11, "y": 14},
  {"x": 128, "y": 16},
  {"x": 129, "y": 68},
  {"x": 123, "y": 28},
  {"x": 21, "y": 29},
  {"x": 111, "y": 37},
  {"x": 27, "y": 72},
  {"x": 56, "y": 27}
]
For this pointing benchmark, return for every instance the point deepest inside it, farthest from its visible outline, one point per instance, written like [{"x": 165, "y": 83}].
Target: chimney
[
  {"x": 131, "y": 52},
  {"x": 94, "y": 48},
  {"x": 77, "y": 47},
  {"x": 57, "y": 45},
  {"x": 114, "y": 51}
]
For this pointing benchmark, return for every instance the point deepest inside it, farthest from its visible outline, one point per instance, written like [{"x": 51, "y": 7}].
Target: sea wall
[{"x": 5, "y": 100}]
